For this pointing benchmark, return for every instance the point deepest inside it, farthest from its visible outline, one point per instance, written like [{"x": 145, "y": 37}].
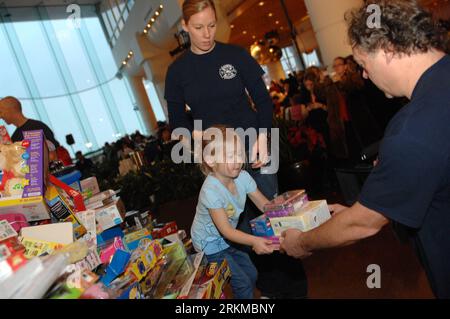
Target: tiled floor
[{"x": 342, "y": 273}]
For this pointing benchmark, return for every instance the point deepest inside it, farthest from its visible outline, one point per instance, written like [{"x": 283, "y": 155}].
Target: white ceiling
[{"x": 33, "y": 3}]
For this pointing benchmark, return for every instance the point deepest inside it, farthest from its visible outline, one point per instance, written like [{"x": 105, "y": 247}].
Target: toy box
[
  {"x": 89, "y": 187},
  {"x": 132, "y": 240},
  {"x": 17, "y": 221},
  {"x": 72, "y": 179},
  {"x": 310, "y": 216},
  {"x": 110, "y": 215},
  {"x": 35, "y": 247},
  {"x": 6, "y": 230},
  {"x": 23, "y": 167},
  {"x": 210, "y": 281},
  {"x": 62, "y": 210},
  {"x": 108, "y": 249},
  {"x": 99, "y": 199},
  {"x": 116, "y": 267},
  {"x": 167, "y": 229},
  {"x": 286, "y": 204},
  {"x": 144, "y": 258},
  {"x": 261, "y": 226},
  {"x": 137, "y": 220}
]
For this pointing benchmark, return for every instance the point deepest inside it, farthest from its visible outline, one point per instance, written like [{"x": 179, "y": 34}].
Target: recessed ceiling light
[
  {"x": 232, "y": 26},
  {"x": 277, "y": 22},
  {"x": 244, "y": 32},
  {"x": 270, "y": 14},
  {"x": 261, "y": 3}
]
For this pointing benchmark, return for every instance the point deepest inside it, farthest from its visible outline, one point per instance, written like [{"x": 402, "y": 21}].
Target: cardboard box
[
  {"x": 58, "y": 233},
  {"x": 89, "y": 187},
  {"x": 310, "y": 216},
  {"x": 99, "y": 199},
  {"x": 22, "y": 180},
  {"x": 110, "y": 215}
]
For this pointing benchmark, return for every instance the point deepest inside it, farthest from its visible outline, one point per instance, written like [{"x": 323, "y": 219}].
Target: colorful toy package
[
  {"x": 286, "y": 204},
  {"x": 23, "y": 167}
]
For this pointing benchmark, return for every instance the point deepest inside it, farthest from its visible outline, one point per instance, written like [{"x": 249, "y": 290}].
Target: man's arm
[{"x": 345, "y": 228}]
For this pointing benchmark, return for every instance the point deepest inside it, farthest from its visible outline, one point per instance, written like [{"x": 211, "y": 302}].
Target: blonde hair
[
  {"x": 214, "y": 143},
  {"x": 191, "y": 7}
]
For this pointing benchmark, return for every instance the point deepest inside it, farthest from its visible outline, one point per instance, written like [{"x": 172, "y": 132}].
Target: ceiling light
[
  {"x": 261, "y": 3},
  {"x": 270, "y": 14},
  {"x": 152, "y": 19}
]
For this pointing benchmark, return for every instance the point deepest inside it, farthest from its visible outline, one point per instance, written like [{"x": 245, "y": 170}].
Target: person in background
[
  {"x": 84, "y": 165},
  {"x": 64, "y": 156},
  {"x": 11, "y": 113}
]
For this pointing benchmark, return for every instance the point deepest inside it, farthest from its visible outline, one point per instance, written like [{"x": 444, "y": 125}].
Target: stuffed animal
[{"x": 13, "y": 169}]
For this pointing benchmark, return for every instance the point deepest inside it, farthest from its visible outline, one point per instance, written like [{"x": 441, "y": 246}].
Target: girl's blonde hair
[
  {"x": 213, "y": 143},
  {"x": 191, "y": 7}
]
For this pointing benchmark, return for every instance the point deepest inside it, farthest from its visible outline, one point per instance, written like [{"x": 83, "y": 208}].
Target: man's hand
[
  {"x": 291, "y": 244},
  {"x": 259, "y": 154},
  {"x": 336, "y": 209}
]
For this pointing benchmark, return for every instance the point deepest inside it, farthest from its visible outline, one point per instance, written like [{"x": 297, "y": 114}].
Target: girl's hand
[
  {"x": 262, "y": 246},
  {"x": 259, "y": 155}
]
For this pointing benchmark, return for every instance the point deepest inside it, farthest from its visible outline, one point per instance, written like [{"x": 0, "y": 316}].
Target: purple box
[
  {"x": 286, "y": 204},
  {"x": 33, "y": 141}
]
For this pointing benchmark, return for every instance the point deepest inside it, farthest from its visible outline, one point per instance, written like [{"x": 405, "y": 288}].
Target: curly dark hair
[{"x": 406, "y": 28}]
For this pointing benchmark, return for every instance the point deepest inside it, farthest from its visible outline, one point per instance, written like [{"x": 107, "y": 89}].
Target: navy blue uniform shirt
[
  {"x": 214, "y": 86},
  {"x": 411, "y": 183}
]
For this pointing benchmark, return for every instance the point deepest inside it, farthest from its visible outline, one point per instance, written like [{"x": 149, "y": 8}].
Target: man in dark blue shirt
[{"x": 410, "y": 185}]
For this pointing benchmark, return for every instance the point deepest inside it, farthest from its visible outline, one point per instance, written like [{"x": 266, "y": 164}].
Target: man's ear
[{"x": 389, "y": 56}]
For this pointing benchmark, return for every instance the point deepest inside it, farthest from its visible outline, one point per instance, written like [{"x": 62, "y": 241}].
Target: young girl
[{"x": 221, "y": 201}]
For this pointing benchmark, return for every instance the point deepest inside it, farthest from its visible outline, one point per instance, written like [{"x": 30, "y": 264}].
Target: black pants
[{"x": 279, "y": 276}]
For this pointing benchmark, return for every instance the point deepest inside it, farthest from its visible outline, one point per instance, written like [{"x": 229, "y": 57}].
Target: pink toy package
[{"x": 286, "y": 204}]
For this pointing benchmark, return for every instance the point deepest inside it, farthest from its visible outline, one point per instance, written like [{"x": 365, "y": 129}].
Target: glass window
[
  {"x": 154, "y": 100},
  {"x": 107, "y": 25},
  {"x": 60, "y": 113},
  {"x": 115, "y": 9},
  {"x": 121, "y": 96}
]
